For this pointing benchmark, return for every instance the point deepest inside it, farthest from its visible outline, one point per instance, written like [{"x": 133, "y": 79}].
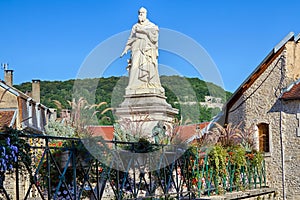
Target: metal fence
[{"x": 62, "y": 170}]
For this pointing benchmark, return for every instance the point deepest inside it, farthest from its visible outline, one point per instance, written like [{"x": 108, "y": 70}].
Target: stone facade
[
  {"x": 28, "y": 115},
  {"x": 293, "y": 61},
  {"x": 291, "y": 144},
  {"x": 212, "y": 102},
  {"x": 258, "y": 100},
  {"x": 144, "y": 111}
]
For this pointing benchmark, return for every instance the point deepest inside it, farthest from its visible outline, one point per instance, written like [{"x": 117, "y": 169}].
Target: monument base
[
  {"x": 144, "y": 89},
  {"x": 144, "y": 111}
]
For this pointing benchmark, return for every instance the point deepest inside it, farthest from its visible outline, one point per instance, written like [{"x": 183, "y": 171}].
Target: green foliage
[
  {"x": 143, "y": 146},
  {"x": 217, "y": 160},
  {"x": 206, "y": 113},
  {"x": 122, "y": 135},
  {"x": 54, "y": 128},
  {"x": 133, "y": 142},
  {"x": 111, "y": 90},
  {"x": 237, "y": 156},
  {"x": 256, "y": 159}
]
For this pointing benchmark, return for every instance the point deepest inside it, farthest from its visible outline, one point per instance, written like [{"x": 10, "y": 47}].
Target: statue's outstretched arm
[{"x": 128, "y": 44}]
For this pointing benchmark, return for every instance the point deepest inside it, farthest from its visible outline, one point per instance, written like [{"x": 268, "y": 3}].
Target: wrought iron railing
[{"x": 62, "y": 170}]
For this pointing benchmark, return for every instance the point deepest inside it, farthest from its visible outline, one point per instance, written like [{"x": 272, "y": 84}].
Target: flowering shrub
[
  {"x": 54, "y": 128},
  {"x": 13, "y": 150},
  {"x": 8, "y": 155},
  {"x": 220, "y": 169}
]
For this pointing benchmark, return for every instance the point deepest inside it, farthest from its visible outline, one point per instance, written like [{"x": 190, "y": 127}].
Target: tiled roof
[
  {"x": 6, "y": 118},
  {"x": 17, "y": 92},
  {"x": 261, "y": 68},
  {"x": 187, "y": 132},
  {"x": 107, "y": 132},
  {"x": 293, "y": 93},
  {"x": 184, "y": 133}
]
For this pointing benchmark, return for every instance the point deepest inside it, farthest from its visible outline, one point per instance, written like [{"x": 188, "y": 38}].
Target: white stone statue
[{"x": 143, "y": 65}]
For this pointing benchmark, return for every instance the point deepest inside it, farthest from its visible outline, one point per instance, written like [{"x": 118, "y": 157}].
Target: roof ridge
[
  {"x": 289, "y": 87},
  {"x": 18, "y": 92}
]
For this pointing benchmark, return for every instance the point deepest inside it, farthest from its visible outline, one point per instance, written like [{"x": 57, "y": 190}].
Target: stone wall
[
  {"x": 261, "y": 103},
  {"x": 293, "y": 61},
  {"x": 255, "y": 194},
  {"x": 290, "y": 123},
  {"x": 237, "y": 113},
  {"x": 8, "y": 100},
  {"x": 291, "y": 144}
]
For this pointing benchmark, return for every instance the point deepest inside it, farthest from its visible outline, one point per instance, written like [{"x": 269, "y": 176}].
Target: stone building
[
  {"x": 212, "y": 102},
  {"x": 19, "y": 110},
  {"x": 270, "y": 98},
  {"x": 23, "y": 112}
]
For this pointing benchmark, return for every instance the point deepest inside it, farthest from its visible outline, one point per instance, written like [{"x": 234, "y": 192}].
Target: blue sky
[{"x": 49, "y": 40}]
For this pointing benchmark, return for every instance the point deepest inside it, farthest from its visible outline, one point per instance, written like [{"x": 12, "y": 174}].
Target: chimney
[
  {"x": 28, "y": 92},
  {"x": 8, "y": 77},
  {"x": 36, "y": 90},
  {"x": 53, "y": 115}
]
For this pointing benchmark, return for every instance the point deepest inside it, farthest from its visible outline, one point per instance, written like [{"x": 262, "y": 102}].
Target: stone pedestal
[{"x": 144, "y": 110}]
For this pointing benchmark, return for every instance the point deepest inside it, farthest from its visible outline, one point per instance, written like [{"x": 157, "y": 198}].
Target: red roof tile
[
  {"x": 186, "y": 132},
  {"x": 107, "y": 132},
  {"x": 293, "y": 93}
]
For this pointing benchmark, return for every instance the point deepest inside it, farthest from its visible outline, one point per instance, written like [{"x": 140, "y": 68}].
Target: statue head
[{"x": 142, "y": 14}]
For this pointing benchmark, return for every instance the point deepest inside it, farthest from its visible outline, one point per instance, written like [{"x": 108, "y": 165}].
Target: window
[{"x": 263, "y": 135}]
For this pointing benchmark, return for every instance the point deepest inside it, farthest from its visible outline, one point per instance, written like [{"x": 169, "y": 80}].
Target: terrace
[{"x": 73, "y": 168}]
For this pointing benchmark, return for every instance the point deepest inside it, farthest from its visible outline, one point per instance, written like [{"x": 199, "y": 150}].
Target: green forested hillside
[{"x": 179, "y": 91}]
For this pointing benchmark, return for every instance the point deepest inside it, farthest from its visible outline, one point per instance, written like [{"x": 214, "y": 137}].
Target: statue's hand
[
  {"x": 123, "y": 53},
  {"x": 140, "y": 30}
]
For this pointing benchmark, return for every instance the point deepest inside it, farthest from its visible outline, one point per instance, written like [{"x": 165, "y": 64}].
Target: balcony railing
[{"x": 62, "y": 170}]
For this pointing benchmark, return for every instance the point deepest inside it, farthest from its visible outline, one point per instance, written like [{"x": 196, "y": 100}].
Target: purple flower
[
  {"x": 4, "y": 167},
  {"x": 15, "y": 149},
  {"x": 4, "y": 151},
  {"x": 8, "y": 141}
]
